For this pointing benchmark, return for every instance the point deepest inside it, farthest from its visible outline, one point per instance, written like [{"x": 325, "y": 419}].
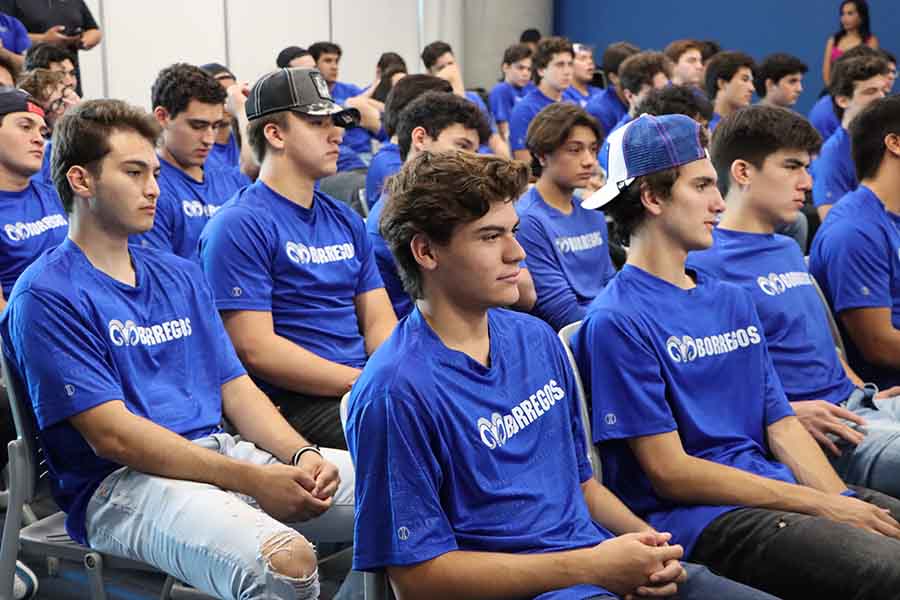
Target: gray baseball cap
[{"x": 303, "y": 91}]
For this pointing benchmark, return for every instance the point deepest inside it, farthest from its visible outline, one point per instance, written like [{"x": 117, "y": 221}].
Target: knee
[{"x": 289, "y": 554}]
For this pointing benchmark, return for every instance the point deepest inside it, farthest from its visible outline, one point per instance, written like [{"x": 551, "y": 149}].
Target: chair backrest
[
  {"x": 26, "y": 427},
  {"x": 565, "y": 334},
  {"x": 832, "y": 324}
]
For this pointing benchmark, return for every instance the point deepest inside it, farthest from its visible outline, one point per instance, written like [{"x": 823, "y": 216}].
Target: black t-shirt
[{"x": 40, "y": 15}]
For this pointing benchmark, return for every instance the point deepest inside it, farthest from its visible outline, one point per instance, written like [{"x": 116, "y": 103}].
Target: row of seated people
[{"x": 239, "y": 250}]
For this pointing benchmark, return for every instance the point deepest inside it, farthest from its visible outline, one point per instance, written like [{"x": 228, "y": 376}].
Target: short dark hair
[
  {"x": 515, "y": 53},
  {"x": 435, "y": 112},
  {"x": 847, "y": 73},
  {"x": 81, "y": 137},
  {"x": 285, "y": 57},
  {"x": 433, "y": 51},
  {"x": 639, "y": 69},
  {"x": 857, "y": 51},
  {"x": 320, "y": 48},
  {"x": 675, "y": 49},
  {"x": 546, "y": 49},
  {"x": 386, "y": 83},
  {"x": 756, "y": 132},
  {"x": 408, "y": 89},
  {"x": 724, "y": 66},
  {"x": 627, "y": 211},
  {"x": 708, "y": 49},
  {"x": 676, "y": 100},
  {"x": 390, "y": 59},
  {"x": 615, "y": 54},
  {"x": 436, "y": 193},
  {"x": 530, "y": 36},
  {"x": 888, "y": 55},
  {"x": 256, "y": 132},
  {"x": 550, "y": 128},
  {"x": 867, "y": 132},
  {"x": 776, "y": 67},
  {"x": 178, "y": 84},
  {"x": 41, "y": 55}
]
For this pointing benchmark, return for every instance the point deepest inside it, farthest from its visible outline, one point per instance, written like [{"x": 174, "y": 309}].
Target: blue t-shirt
[
  {"x": 603, "y": 155},
  {"x": 400, "y": 300},
  {"x": 385, "y": 163},
  {"x": 13, "y": 34},
  {"x": 823, "y": 118},
  {"x": 504, "y": 96},
  {"x": 185, "y": 206},
  {"x": 607, "y": 108},
  {"x": 306, "y": 266},
  {"x": 855, "y": 257},
  {"x": 33, "y": 221},
  {"x": 795, "y": 323},
  {"x": 79, "y": 338},
  {"x": 567, "y": 256},
  {"x": 453, "y": 455},
  {"x": 714, "y": 122},
  {"x": 357, "y": 139},
  {"x": 475, "y": 98},
  {"x": 225, "y": 155},
  {"x": 571, "y": 94},
  {"x": 834, "y": 173},
  {"x": 44, "y": 176},
  {"x": 521, "y": 116},
  {"x": 658, "y": 358}
]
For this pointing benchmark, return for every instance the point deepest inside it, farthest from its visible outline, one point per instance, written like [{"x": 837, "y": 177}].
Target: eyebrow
[
  {"x": 496, "y": 228},
  {"x": 139, "y": 163},
  {"x": 703, "y": 180},
  {"x": 795, "y": 162}
]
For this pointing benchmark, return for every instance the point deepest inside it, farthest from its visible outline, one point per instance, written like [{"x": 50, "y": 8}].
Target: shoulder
[
  {"x": 706, "y": 261},
  {"x": 339, "y": 210},
  {"x": 244, "y": 210},
  {"x": 50, "y": 275}
]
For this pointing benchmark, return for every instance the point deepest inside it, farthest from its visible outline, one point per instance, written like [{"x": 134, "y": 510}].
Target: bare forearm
[
  {"x": 247, "y": 160},
  {"x": 258, "y": 421},
  {"x": 793, "y": 446},
  {"x": 17, "y": 59},
  {"x": 284, "y": 364},
  {"x": 851, "y": 374},
  {"x": 90, "y": 38},
  {"x": 488, "y": 575},
  {"x": 607, "y": 510}
]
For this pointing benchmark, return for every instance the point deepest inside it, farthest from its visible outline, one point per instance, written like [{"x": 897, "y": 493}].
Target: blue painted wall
[{"x": 758, "y": 27}]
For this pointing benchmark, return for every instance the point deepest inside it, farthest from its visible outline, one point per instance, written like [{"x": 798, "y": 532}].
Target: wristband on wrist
[{"x": 295, "y": 460}]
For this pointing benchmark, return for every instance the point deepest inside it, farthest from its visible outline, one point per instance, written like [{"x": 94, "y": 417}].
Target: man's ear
[
  {"x": 741, "y": 172},
  {"x": 81, "y": 181},
  {"x": 892, "y": 144},
  {"x": 652, "y": 203},
  {"x": 162, "y": 116},
  {"x": 423, "y": 252},
  {"x": 842, "y": 101}
]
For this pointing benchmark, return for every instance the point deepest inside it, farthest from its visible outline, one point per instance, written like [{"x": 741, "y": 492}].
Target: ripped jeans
[{"x": 211, "y": 538}]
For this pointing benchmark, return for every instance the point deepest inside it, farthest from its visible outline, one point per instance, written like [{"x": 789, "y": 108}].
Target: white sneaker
[{"x": 25, "y": 584}]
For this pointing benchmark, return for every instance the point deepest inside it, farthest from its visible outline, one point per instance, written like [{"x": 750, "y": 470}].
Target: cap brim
[
  {"x": 606, "y": 194},
  {"x": 343, "y": 117}
]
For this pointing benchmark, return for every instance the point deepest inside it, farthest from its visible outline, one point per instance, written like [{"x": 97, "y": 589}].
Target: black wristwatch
[{"x": 313, "y": 448}]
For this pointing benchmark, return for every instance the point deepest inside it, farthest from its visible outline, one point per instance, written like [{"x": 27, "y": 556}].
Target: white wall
[{"x": 141, "y": 38}]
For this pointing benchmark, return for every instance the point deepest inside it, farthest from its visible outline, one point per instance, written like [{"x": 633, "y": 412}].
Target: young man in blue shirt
[
  {"x": 292, "y": 270},
  {"x": 610, "y": 105},
  {"x": 14, "y": 40},
  {"x": 761, "y": 155},
  {"x": 225, "y": 152},
  {"x": 433, "y": 122},
  {"x": 31, "y": 218},
  {"x": 130, "y": 374},
  {"x": 473, "y": 476},
  {"x": 516, "y": 84},
  {"x": 567, "y": 247},
  {"x": 438, "y": 58},
  {"x": 189, "y": 105},
  {"x": 358, "y": 140},
  {"x": 779, "y": 80},
  {"x": 729, "y": 83},
  {"x": 855, "y": 83},
  {"x": 581, "y": 91},
  {"x": 388, "y": 160},
  {"x": 856, "y": 253},
  {"x": 695, "y": 430},
  {"x": 687, "y": 61},
  {"x": 552, "y": 72}
]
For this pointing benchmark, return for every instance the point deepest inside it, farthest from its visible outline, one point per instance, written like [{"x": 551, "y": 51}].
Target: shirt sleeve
[
  {"x": 369, "y": 276},
  {"x": 499, "y": 104},
  {"x": 585, "y": 471},
  {"x": 230, "y": 366},
  {"x": 399, "y": 516},
  {"x": 557, "y": 303},
  {"x": 518, "y": 126},
  {"x": 857, "y": 269},
  {"x": 65, "y": 363},
  {"x": 832, "y": 180},
  {"x": 87, "y": 19},
  {"x": 235, "y": 254},
  {"x": 21, "y": 40},
  {"x": 622, "y": 372}
]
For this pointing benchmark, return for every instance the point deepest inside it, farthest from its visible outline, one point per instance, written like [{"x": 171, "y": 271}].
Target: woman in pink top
[{"x": 853, "y": 32}]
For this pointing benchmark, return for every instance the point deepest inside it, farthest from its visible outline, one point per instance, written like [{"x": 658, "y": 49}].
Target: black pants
[
  {"x": 800, "y": 557},
  {"x": 317, "y": 418}
]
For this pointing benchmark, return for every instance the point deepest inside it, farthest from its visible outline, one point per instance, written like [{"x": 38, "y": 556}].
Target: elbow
[{"x": 108, "y": 445}]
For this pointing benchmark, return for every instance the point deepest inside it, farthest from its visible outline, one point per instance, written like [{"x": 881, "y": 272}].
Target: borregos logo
[
  {"x": 301, "y": 254},
  {"x": 195, "y": 208},
  {"x": 778, "y": 283},
  {"x": 131, "y": 334},
  {"x": 19, "y": 232},
  {"x": 687, "y": 349},
  {"x": 499, "y": 429}
]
